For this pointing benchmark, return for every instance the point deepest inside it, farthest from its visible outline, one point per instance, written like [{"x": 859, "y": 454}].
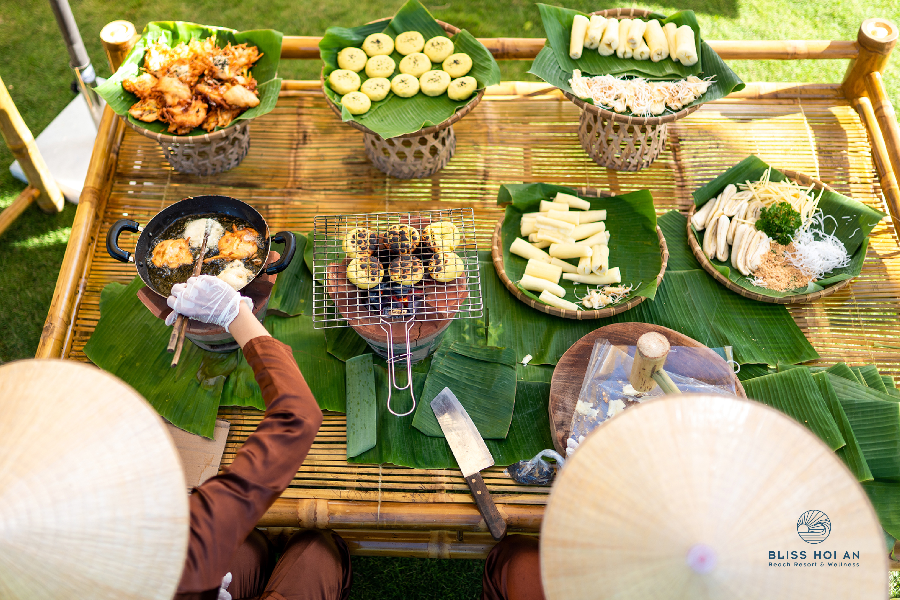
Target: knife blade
[{"x": 471, "y": 453}]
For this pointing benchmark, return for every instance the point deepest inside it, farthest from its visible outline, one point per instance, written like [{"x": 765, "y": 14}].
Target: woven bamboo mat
[{"x": 303, "y": 161}]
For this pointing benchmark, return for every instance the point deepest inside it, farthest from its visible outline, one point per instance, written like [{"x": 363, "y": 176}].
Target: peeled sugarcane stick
[{"x": 649, "y": 359}]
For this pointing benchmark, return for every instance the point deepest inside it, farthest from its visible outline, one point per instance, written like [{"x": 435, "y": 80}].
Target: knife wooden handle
[{"x": 486, "y": 506}]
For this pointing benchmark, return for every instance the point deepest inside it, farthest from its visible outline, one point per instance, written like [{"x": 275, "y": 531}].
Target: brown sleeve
[{"x": 226, "y": 507}]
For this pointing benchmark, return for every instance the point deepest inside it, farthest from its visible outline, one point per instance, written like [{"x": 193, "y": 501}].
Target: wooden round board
[
  {"x": 709, "y": 268},
  {"x": 569, "y": 373}
]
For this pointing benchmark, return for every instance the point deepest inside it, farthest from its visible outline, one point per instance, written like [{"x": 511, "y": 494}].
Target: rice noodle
[
  {"x": 643, "y": 98},
  {"x": 815, "y": 251}
]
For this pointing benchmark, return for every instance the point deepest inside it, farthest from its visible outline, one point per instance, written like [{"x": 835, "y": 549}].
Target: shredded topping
[
  {"x": 606, "y": 295},
  {"x": 771, "y": 192},
  {"x": 643, "y": 98}
]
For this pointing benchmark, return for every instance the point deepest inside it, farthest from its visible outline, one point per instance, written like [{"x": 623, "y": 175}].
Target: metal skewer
[{"x": 176, "y": 340}]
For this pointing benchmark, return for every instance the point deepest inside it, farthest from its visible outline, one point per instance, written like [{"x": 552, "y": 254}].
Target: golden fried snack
[
  {"x": 172, "y": 253},
  {"x": 237, "y": 244}
]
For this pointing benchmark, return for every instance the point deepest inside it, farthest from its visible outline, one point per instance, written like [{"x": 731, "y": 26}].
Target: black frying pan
[{"x": 200, "y": 206}]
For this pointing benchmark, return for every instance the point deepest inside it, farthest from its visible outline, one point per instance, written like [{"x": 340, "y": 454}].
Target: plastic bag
[{"x": 536, "y": 471}]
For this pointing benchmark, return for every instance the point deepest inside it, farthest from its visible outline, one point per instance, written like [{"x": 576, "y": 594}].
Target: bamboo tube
[
  {"x": 346, "y": 514},
  {"x": 12, "y": 212},
  {"x": 886, "y": 174},
  {"x": 85, "y": 231},
  {"x": 876, "y": 38},
  {"x": 21, "y": 143},
  {"x": 887, "y": 118},
  {"x": 118, "y": 38},
  {"x": 307, "y": 47},
  {"x": 649, "y": 358}
]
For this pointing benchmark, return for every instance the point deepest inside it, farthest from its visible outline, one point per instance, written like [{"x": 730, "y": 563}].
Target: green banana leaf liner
[
  {"x": 554, "y": 65},
  {"x": 636, "y": 245},
  {"x": 395, "y": 116},
  {"x": 265, "y": 71},
  {"x": 854, "y": 221}
]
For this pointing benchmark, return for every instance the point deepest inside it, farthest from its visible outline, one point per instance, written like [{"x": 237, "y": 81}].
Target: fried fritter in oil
[
  {"x": 172, "y": 253},
  {"x": 194, "y": 85},
  {"x": 237, "y": 244}
]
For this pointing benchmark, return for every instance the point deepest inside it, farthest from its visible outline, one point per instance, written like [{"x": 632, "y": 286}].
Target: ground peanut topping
[{"x": 776, "y": 272}]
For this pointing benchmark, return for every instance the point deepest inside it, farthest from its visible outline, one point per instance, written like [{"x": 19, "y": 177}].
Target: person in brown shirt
[{"x": 225, "y": 509}]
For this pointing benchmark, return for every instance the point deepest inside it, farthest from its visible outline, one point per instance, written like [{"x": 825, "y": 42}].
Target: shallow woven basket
[
  {"x": 580, "y": 315},
  {"x": 696, "y": 248},
  {"x": 413, "y": 155},
  {"x": 205, "y": 154},
  {"x": 622, "y": 142}
]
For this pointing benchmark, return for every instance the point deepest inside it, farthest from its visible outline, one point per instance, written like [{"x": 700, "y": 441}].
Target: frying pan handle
[
  {"x": 290, "y": 245},
  {"x": 112, "y": 238}
]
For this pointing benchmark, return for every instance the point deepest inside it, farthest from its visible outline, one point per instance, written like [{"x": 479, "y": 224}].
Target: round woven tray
[
  {"x": 413, "y": 155},
  {"x": 205, "y": 154},
  {"x": 696, "y": 248},
  {"x": 580, "y": 315}
]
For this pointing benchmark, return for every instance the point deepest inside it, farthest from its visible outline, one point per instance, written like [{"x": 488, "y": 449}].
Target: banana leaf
[
  {"x": 630, "y": 219},
  {"x": 796, "y": 394},
  {"x": 265, "y": 71},
  {"x": 672, "y": 225},
  {"x": 395, "y": 116},
  {"x": 241, "y": 388},
  {"x": 854, "y": 221},
  {"x": 751, "y": 371},
  {"x": 851, "y": 453},
  {"x": 871, "y": 377},
  {"x": 558, "y": 27},
  {"x": 842, "y": 370},
  {"x": 292, "y": 293},
  {"x": 885, "y": 497},
  {"x": 483, "y": 378},
  {"x": 324, "y": 374},
  {"x": 546, "y": 67},
  {"x": 344, "y": 343},
  {"x": 876, "y": 425},
  {"x": 362, "y": 414},
  {"x": 403, "y": 445},
  {"x": 130, "y": 343}
]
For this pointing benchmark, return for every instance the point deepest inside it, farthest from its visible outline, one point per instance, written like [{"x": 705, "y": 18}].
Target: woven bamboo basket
[
  {"x": 206, "y": 154},
  {"x": 802, "y": 179},
  {"x": 414, "y": 155},
  {"x": 580, "y": 315},
  {"x": 623, "y": 142}
]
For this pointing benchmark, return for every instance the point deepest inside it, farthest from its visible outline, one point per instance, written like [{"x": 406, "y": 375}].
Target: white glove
[
  {"x": 226, "y": 581},
  {"x": 206, "y": 298}
]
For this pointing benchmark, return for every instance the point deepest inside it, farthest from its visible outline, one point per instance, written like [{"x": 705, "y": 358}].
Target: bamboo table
[{"x": 303, "y": 161}]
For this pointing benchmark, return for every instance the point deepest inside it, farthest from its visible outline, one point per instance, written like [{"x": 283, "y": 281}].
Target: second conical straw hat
[
  {"x": 708, "y": 497},
  {"x": 92, "y": 496}
]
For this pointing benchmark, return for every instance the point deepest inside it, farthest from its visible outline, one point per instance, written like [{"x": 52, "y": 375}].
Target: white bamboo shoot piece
[
  {"x": 612, "y": 276},
  {"x": 642, "y": 52},
  {"x": 568, "y": 216},
  {"x": 656, "y": 40},
  {"x": 536, "y": 284},
  {"x": 610, "y": 40},
  {"x": 591, "y": 216},
  {"x": 543, "y": 270},
  {"x": 635, "y": 34},
  {"x": 522, "y": 248},
  {"x": 555, "y": 225},
  {"x": 597, "y": 238},
  {"x": 669, "y": 30},
  {"x": 596, "y": 27},
  {"x": 623, "y": 51},
  {"x": 685, "y": 46},
  {"x": 579, "y": 32},
  {"x": 527, "y": 227},
  {"x": 565, "y": 266},
  {"x": 584, "y": 265},
  {"x": 570, "y": 250},
  {"x": 599, "y": 259},
  {"x": 572, "y": 201},
  {"x": 548, "y": 206},
  {"x": 545, "y": 235},
  {"x": 556, "y": 301},
  {"x": 588, "y": 229},
  {"x": 541, "y": 245}
]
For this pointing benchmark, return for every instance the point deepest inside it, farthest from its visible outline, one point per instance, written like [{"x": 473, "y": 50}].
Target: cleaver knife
[{"x": 471, "y": 453}]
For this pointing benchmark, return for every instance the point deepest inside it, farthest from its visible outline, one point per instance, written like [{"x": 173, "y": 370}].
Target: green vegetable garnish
[{"x": 779, "y": 222}]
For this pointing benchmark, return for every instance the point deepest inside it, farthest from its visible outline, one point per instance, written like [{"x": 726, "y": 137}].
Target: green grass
[{"x": 36, "y": 72}]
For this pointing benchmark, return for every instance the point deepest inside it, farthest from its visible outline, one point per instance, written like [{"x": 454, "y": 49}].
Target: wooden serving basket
[
  {"x": 800, "y": 178},
  {"x": 622, "y": 142},
  {"x": 580, "y": 315},
  {"x": 413, "y": 155}
]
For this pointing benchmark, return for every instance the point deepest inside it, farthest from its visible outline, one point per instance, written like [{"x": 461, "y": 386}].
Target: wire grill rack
[{"x": 394, "y": 307}]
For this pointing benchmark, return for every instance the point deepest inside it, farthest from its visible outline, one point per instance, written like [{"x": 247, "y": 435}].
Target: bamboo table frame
[{"x": 455, "y": 528}]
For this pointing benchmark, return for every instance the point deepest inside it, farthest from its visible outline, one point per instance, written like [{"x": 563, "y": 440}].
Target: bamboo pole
[
  {"x": 320, "y": 513},
  {"x": 307, "y": 47},
  {"x": 886, "y": 174},
  {"x": 876, "y": 38},
  {"x": 887, "y": 118},
  {"x": 21, "y": 143},
  {"x": 12, "y": 212}
]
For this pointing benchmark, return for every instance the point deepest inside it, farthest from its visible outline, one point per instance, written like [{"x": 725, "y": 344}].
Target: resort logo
[{"x": 813, "y": 527}]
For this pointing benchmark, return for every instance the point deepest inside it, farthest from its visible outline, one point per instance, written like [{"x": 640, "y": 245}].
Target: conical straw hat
[
  {"x": 92, "y": 496},
  {"x": 688, "y": 496}
]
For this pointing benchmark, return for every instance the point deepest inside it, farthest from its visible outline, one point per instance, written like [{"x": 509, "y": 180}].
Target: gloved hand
[
  {"x": 223, "y": 589},
  {"x": 206, "y": 298}
]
